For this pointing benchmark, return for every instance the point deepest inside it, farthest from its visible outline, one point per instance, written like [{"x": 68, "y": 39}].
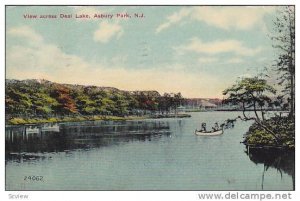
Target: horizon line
[{"x": 161, "y": 93}]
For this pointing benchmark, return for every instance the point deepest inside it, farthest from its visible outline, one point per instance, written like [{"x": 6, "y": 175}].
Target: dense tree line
[{"x": 45, "y": 98}]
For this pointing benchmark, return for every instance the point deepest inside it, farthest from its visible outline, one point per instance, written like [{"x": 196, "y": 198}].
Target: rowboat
[
  {"x": 209, "y": 133},
  {"x": 32, "y": 130},
  {"x": 53, "y": 128}
]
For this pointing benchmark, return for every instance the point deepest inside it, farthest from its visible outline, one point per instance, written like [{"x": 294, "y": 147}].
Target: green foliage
[
  {"x": 40, "y": 98},
  {"x": 17, "y": 121},
  {"x": 284, "y": 128},
  {"x": 250, "y": 93},
  {"x": 254, "y": 94}
]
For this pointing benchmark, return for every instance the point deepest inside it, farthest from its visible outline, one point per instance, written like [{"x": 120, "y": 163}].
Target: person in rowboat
[
  {"x": 203, "y": 127},
  {"x": 216, "y": 127}
]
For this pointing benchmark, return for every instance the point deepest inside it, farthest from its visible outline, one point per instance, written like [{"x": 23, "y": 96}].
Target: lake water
[{"x": 160, "y": 154}]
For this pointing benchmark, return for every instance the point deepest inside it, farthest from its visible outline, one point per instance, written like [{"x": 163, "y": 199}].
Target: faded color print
[{"x": 150, "y": 98}]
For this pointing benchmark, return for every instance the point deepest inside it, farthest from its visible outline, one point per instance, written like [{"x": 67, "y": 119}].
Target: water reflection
[
  {"x": 27, "y": 143},
  {"x": 282, "y": 161},
  {"x": 161, "y": 154}
]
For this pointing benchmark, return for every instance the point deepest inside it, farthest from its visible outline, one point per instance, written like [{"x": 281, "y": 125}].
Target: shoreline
[
  {"x": 37, "y": 120},
  {"x": 271, "y": 147}
]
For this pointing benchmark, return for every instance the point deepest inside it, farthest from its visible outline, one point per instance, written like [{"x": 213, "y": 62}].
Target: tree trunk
[
  {"x": 258, "y": 121},
  {"x": 292, "y": 65}
]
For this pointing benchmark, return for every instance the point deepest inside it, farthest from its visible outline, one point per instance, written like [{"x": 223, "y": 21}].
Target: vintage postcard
[{"x": 154, "y": 98}]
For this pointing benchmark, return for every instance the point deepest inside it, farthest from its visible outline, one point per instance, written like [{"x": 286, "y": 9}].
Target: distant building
[
  {"x": 206, "y": 105},
  {"x": 181, "y": 109}
]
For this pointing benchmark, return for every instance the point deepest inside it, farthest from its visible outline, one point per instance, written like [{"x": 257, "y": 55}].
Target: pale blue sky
[{"x": 198, "y": 51}]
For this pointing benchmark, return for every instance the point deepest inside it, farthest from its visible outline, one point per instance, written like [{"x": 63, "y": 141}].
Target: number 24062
[{"x": 33, "y": 178}]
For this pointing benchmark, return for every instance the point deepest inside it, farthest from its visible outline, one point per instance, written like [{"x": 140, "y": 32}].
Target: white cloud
[
  {"x": 173, "y": 19},
  {"x": 217, "y": 47},
  {"x": 39, "y": 57},
  {"x": 47, "y": 61},
  {"x": 26, "y": 33},
  {"x": 107, "y": 31},
  {"x": 223, "y": 17},
  {"x": 55, "y": 65}
]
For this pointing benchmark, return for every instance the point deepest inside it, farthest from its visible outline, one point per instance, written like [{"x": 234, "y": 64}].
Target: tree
[
  {"x": 165, "y": 103},
  {"x": 178, "y": 99},
  {"x": 66, "y": 104},
  {"x": 121, "y": 104},
  {"x": 252, "y": 94},
  {"x": 84, "y": 104},
  {"x": 108, "y": 106},
  {"x": 284, "y": 43},
  {"x": 17, "y": 101},
  {"x": 132, "y": 102},
  {"x": 43, "y": 104}
]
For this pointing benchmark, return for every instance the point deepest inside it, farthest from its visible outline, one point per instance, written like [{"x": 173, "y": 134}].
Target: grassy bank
[{"x": 20, "y": 121}]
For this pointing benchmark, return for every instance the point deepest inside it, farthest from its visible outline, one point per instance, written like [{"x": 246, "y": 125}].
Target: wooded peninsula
[{"x": 42, "y": 101}]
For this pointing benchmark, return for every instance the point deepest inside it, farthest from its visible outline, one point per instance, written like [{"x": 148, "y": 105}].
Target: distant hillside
[
  {"x": 35, "y": 97},
  {"x": 203, "y": 102}
]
